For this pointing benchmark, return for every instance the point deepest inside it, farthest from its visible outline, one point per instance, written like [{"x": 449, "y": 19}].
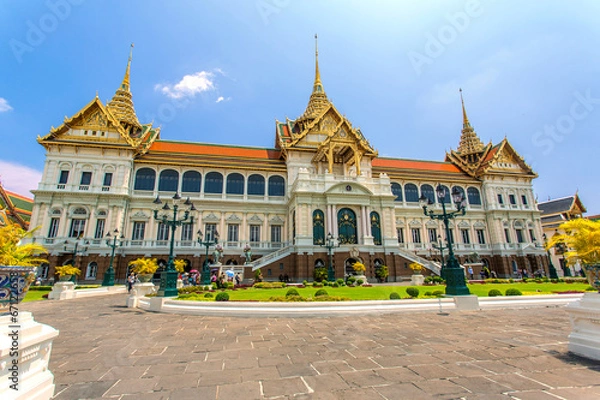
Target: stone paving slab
[{"x": 107, "y": 351}]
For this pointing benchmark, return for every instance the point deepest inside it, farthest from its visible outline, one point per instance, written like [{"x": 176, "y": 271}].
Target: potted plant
[
  {"x": 382, "y": 273},
  {"x": 18, "y": 263},
  {"x": 360, "y": 270},
  {"x": 144, "y": 268},
  {"x": 66, "y": 272},
  {"x": 417, "y": 278}
]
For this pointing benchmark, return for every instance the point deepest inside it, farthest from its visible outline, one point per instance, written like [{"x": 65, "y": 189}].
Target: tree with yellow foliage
[
  {"x": 15, "y": 253},
  {"x": 582, "y": 241}
]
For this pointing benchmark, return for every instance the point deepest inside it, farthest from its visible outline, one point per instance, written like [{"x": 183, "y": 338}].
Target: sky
[{"x": 218, "y": 71}]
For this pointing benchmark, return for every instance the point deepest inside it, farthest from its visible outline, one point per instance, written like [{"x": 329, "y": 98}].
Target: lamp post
[
  {"x": 168, "y": 278},
  {"x": 439, "y": 246},
  {"x": 330, "y": 245},
  {"x": 207, "y": 243},
  {"x": 452, "y": 272},
  {"x": 551, "y": 269},
  {"x": 80, "y": 247},
  {"x": 109, "y": 275}
]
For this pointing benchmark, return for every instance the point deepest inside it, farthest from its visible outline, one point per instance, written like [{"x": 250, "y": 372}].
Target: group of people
[
  {"x": 284, "y": 278},
  {"x": 222, "y": 279}
]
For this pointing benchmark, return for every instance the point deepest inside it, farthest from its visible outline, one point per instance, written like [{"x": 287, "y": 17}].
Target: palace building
[{"x": 104, "y": 171}]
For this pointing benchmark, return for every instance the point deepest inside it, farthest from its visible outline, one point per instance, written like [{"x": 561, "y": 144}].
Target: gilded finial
[
  {"x": 318, "y": 86},
  {"x": 466, "y": 123},
  {"x": 125, "y": 84}
]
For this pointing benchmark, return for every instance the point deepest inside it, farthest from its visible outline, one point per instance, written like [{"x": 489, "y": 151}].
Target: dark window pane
[
  {"x": 256, "y": 185},
  {"x": 214, "y": 183},
  {"x": 276, "y": 186},
  {"x": 168, "y": 181},
  {"x": 235, "y": 184},
  {"x": 192, "y": 181},
  {"x": 144, "y": 179}
]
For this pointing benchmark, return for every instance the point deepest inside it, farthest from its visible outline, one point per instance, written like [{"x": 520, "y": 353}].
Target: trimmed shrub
[
  {"x": 223, "y": 296},
  {"x": 360, "y": 282},
  {"x": 305, "y": 282},
  {"x": 590, "y": 289},
  {"x": 513, "y": 292},
  {"x": 438, "y": 293},
  {"x": 494, "y": 293},
  {"x": 325, "y": 283},
  {"x": 331, "y": 298},
  {"x": 394, "y": 296},
  {"x": 208, "y": 295},
  {"x": 412, "y": 292},
  {"x": 321, "y": 292},
  {"x": 269, "y": 285},
  {"x": 335, "y": 284},
  {"x": 292, "y": 292},
  {"x": 351, "y": 280},
  {"x": 340, "y": 282}
]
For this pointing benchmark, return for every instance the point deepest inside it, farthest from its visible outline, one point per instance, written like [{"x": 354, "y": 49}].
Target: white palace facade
[{"x": 104, "y": 169}]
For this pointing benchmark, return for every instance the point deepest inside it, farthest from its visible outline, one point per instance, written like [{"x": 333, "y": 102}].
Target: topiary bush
[
  {"x": 335, "y": 284},
  {"x": 340, "y": 282},
  {"x": 321, "y": 292},
  {"x": 438, "y": 293},
  {"x": 494, "y": 293},
  {"x": 208, "y": 295},
  {"x": 351, "y": 280},
  {"x": 412, "y": 292},
  {"x": 223, "y": 296},
  {"x": 305, "y": 282},
  {"x": 359, "y": 282},
  {"x": 513, "y": 292},
  {"x": 292, "y": 292},
  {"x": 394, "y": 296}
]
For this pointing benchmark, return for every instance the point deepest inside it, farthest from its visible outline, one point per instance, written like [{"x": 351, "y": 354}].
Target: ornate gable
[{"x": 505, "y": 160}]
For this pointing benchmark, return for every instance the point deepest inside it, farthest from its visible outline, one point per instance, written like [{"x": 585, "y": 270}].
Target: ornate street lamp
[
  {"x": 111, "y": 241},
  {"x": 452, "y": 271},
  {"x": 79, "y": 248},
  {"x": 207, "y": 243},
  {"x": 551, "y": 269},
  {"x": 440, "y": 246},
  {"x": 168, "y": 278},
  {"x": 330, "y": 244}
]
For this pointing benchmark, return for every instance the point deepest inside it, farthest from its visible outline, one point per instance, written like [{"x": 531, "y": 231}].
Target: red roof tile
[
  {"x": 414, "y": 164},
  {"x": 216, "y": 150}
]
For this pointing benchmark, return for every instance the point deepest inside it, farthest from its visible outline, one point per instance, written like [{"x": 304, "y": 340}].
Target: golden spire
[
  {"x": 465, "y": 118},
  {"x": 318, "y": 99},
  {"x": 469, "y": 141},
  {"x": 121, "y": 105}
]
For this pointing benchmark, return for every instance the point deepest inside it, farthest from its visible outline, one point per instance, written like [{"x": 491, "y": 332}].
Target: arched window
[
  {"x": 347, "y": 227},
  {"x": 397, "y": 191},
  {"x": 460, "y": 189},
  {"x": 474, "y": 196},
  {"x": 376, "y": 228},
  {"x": 144, "y": 179},
  {"x": 447, "y": 194},
  {"x": 214, "y": 183},
  {"x": 168, "y": 180},
  {"x": 318, "y": 227},
  {"x": 192, "y": 182},
  {"x": 256, "y": 185},
  {"x": 411, "y": 193},
  {"x": 276, "y": 186},
  {"x": 91, "y": 271},
  {"x": 427, "y": 191},
  {"x": 235, "y": 184}
]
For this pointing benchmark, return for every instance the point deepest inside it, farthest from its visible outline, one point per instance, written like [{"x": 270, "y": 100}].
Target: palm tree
[{"x": 14, "y": 253}]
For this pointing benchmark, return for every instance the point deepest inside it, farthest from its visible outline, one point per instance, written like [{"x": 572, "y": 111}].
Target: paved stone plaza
[{"x": 105, "y": 350}]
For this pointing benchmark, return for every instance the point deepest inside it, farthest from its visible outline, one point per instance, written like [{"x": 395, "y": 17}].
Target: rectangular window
[
  {"x": 512, "y": 199},
  {"x": 416, "y": 235},
  {"x": 107, "y": 179},
  {"x": 466, "y": 239},
  {"x": 163, "y": 231},
  {"x": 64, "y": 177},
  {"x": 139, "y": 229},
  {"x": 432, "y": 233},
  {"x": 531, "y": 235},
  {"x": 99, "y": 229},
  {"x": 233, "y": 232},
  {"x": 500, "y": 199},
  {"x": 86, "y": 178},
  {"x": 77, "y": 228},
  {"x": 524, "y": 200},
  {"x": 275, "y": 234},
  {"x": 209, "y": 232},
  {"x": 507, "y": 235},
  {"x": 519, "y": 233},
  {"x": 186, "y": 232},
  {"x": 400, "y": 233},
  {"x": 254, "y": 233},
  {"x": 53, "y": 230},
  {"x": 480, "y": 236}
]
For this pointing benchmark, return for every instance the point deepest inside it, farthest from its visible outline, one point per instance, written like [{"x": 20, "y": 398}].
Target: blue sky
[{"x": 223, "y": 71}]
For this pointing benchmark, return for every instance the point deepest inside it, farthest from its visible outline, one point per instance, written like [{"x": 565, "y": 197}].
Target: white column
[{"x": 334, "y": 226}]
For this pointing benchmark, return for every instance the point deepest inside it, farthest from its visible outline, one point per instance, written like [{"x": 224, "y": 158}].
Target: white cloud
[
  {"x": 19, "y": 178},
  {"x": 4, "y": 106},
  {"x": 221, "y": 98},
  {"x": 189, "y": 85}
]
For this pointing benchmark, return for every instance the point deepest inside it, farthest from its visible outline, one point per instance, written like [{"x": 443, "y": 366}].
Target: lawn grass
[
  {"x": 35, "y": 295},
  {"x": 383, "y": 292}
]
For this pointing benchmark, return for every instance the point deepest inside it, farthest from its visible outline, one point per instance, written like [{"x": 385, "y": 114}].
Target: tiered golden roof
[
  {"x": 121, "y": 105},
  {"x": 469, "y": 141},
  {"x": 318, "y": 99}
]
